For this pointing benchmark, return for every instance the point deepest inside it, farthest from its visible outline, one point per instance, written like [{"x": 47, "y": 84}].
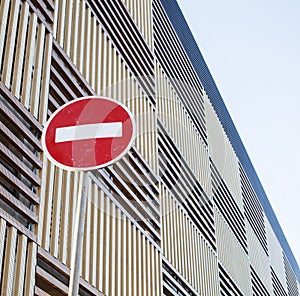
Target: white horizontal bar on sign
[{"x": 88, "y": 131}]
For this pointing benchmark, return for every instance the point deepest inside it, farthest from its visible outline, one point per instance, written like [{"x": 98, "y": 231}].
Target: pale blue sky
[{"x": 252, "y": 49}]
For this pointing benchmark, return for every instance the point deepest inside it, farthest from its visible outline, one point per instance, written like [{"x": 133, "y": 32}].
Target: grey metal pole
[{"x": 76, "y": 256}]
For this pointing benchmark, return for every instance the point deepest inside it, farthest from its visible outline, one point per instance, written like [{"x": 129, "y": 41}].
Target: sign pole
[{"x": 76, "y": 256}]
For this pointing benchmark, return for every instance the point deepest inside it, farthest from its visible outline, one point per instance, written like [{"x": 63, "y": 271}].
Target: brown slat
[
  {"x": 52, "y": 101},
  {"x": 40, "y": 292},
  {"x": 168, "y": 268},
  {"x": 41, "y": 18},
  {"x": 88, "y": 288},
  {"x": 64, "y": 270},
  {"x": 18, "y": 206},
  {"x": 127, "y": 207},
  {"x": 18, "y": 185},
  {"x": 133, "y": 191},
  {"x": 56, "y": 77},
  {"x": 33, "y": 159},
  {"x": 58, "y": 53},
  {"x": 20, "y": 127},
  {"x": 119, "y": 25},
  {"x": 151, "y": 181},
  {"x": 124, "y": 168},
  {"x": 49, "y": 113},
  {"x": 136, "y": 154},
  {"x": 17, "y": 164},
  {"x": 117, "y": 20},
  {"x": 57, "y": 95},
  {"x": 54, "y": 263},
  {"x": 13, "y": 222},
  {"x": 22, "y": 111},
  {"x": 44, "y": 10},
  {"x": 50, "y": 4},
  {"x": 52, "y": 281}
]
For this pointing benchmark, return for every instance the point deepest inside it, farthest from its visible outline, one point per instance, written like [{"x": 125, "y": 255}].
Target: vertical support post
[{"x": 76, "y": 256}]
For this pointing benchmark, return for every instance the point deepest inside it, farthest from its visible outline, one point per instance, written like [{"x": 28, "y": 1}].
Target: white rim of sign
[{"x": 69, "y": 168}]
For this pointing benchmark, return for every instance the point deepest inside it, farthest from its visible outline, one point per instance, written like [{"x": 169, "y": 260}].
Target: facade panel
[
  {"x": 189, "y": 44},
  {"x": 180, "y": 214}
]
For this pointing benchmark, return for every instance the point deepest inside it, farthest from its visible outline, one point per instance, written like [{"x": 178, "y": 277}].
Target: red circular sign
[{"x": 88, "y": 133}]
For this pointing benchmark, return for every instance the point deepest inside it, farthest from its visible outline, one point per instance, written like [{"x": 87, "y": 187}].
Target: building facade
[{"x": 183, "y": 213}]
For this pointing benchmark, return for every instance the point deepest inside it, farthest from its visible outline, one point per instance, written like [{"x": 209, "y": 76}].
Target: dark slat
[
  {"x": 20, "y": 227},
  {"x": 18, "y": 185},
  {"x": 20, "y": 127},
  {"x": 18, "y": 206},
  {"x": 19, "y": 107},
  {"x": 19, "y": 145},
  {"x": 17, "y": 164}
]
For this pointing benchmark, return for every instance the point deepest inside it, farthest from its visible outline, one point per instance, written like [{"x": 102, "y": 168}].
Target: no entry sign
[{"x": 88, "y": 133}]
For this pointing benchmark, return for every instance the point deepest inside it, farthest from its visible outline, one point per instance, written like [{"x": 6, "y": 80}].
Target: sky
[{"x": 252, "y": 49}]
